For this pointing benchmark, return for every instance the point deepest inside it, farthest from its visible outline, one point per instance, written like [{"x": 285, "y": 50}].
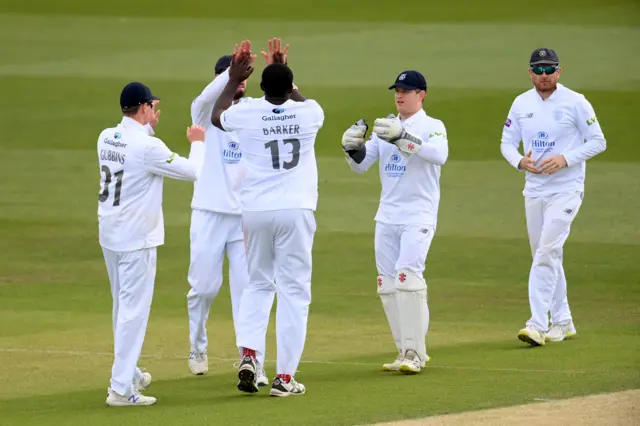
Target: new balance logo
[
  {"x": 568, "y": 211},
  {"x": 134, "y": 398},
  {"x": 530, "y": 115}
]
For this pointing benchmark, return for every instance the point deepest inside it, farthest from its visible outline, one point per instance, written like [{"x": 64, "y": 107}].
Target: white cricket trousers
[
  {"x": 132, "y": 275},
  {"x": 279, "y": 245},
  {"x": 398, "y": 248},
  {"x": 549, "y": 221},
  {"x": 212, "y": 234}
]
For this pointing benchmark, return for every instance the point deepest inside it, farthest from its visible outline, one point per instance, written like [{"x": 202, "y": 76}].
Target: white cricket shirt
[
  {"x": 132, "y": 165},
  {"x": 278, "y": 147},
  {"x": 410, "y": 183},
  {"x": 563, "y": 124},
  {"x": 218, "y": 186}
]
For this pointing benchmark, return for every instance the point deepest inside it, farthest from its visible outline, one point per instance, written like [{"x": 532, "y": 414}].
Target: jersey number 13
[{"x": 275, "y": 153}]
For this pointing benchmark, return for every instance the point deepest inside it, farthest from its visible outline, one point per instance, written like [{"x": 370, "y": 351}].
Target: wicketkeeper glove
[
  {"x": 391, "y": 130},
  {"x": 353, "y": 138}
]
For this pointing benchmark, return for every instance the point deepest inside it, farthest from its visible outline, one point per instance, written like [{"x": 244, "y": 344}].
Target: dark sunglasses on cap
[{"x": 547, "y": 69}]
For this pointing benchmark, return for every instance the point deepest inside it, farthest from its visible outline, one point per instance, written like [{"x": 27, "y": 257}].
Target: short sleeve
[{"x": 317, "y": 114}]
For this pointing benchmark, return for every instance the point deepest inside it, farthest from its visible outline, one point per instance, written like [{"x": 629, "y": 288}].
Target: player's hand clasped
[
  {"x": 353, "y": 138},
  {"x": 553, "y": 164},
  {"x": 548, "y": 166}
]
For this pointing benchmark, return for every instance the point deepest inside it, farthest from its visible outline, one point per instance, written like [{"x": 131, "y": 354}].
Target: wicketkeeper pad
[
  {"x": 388, "y": 297},
  {"x": 412, "y": 307}
]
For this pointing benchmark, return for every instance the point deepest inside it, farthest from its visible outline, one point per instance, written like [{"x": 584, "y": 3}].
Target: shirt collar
[
  {"x": 130, "y": 123},
  {"x": 556, "y": 93},
  {"x": 414, "y": 118}
]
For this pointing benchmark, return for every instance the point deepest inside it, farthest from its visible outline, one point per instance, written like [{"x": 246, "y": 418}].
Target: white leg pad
[
  {"x": 388, "y": 297},
  {"x": 412, "y": 307}
]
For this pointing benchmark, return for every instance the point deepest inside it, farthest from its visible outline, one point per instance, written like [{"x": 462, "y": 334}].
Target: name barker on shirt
[{"x": 279, "y": 130}]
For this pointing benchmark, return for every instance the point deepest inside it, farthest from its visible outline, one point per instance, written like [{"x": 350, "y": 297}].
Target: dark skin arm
[
  {"x": 224, "y": 102},
  {"x": 239, "y": 71},
  {"x": 297, "y": 96}
]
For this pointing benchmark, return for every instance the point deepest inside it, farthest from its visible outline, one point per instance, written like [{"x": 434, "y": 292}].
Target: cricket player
[
  {"x": 216, "y": 223},
  {"x": 560, "y": 132},
  {"x": 411, "y": 149},
  {"x": 132, "y": 166},
  {"x": 279, "y": 196}
]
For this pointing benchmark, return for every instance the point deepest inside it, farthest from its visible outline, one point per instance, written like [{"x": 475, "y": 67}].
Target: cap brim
[
  {"x": 405, "y": 86},
  {"x": 544, "y": 62}
]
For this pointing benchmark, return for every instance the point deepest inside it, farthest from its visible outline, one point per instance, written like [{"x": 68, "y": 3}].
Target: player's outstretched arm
[
  {"x": 161, "y": 161},
  {"x": 240, "y": 69},
  {"x": 202, "y": 106}
]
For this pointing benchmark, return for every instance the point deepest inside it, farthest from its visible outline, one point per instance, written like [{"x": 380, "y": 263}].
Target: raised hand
[
  {"x": 155, "y": 114},
  {"x": 195, "y": 134},
  {"x": 276, "y": 54},
  {"x": 241, "y": 64}
]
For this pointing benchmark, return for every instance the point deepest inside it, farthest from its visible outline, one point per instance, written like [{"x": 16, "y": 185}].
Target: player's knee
[
  {"x": 547, "y": 256},
  {"x": 207, "y": 288},
  {"x": 406, "y": 280},
  {"x": 386, "y": 285}
]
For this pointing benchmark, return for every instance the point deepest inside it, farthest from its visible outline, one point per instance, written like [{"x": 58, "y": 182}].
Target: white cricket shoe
[
  {"x": 261, "y": 375},
  {"x": 281, "y": 388},
  {"x": 117, "y": 400},
  {"x": 559, "y": 332},
  {"x": 532, "y": 336},
  {"x": 411, "y": 364},
  {"x": 198, "y": 362},
  {"x": 143, "y": 383},
  {"x": 395, "y": 365}
]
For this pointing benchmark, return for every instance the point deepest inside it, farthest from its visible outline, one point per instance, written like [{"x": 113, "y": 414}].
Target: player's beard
[{"x": 548, "y": 87}]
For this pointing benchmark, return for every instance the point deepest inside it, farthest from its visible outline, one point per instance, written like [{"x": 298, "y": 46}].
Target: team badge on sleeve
[{"x": 507, "y": 123}]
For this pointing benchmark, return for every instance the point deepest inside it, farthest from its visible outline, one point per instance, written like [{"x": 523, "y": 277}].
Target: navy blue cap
[
  {"x": 410, "y": 80},
  {"x": 223, "y": 63},
  {"x": 544, "y": 56},
  {"x": 135, "y": 94}
]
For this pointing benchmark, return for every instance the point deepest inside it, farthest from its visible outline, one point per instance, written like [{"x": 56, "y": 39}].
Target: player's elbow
[
  {"x": 215, "y": 118},
  {"x": 603, "y": 144}
]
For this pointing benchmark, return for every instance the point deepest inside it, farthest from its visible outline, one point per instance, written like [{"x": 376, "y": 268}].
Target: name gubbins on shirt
[
  {"x": 114, "y": 156},
  {"x": 291, "y": 129}
]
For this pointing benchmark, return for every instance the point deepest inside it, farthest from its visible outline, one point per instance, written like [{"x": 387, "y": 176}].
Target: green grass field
[{"x": 62, "y": 66}]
